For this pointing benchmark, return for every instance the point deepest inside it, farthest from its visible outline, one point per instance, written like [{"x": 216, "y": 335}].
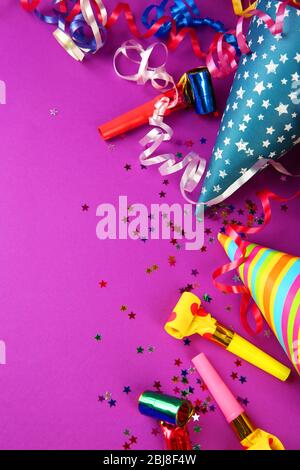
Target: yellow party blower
[{"x": 188, "y": 318}]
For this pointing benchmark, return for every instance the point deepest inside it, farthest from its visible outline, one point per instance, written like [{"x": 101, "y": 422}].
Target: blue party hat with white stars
[{"x": 261, "y": 121}]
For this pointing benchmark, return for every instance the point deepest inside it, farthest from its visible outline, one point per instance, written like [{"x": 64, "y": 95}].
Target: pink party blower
[{"x": 250, "y": 437}]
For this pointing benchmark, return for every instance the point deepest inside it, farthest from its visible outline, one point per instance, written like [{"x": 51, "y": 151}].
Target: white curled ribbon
[
  {"x": 192, "y": 164},
  {"x": 145, "y": 72},
  {"x": 69, "y": 44}
]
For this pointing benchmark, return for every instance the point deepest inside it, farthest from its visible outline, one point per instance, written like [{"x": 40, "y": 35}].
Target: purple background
[{"x": 51, "y": 306}]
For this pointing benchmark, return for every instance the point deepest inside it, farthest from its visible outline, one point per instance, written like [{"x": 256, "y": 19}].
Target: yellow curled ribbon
[{"x": 239, "y": 10}]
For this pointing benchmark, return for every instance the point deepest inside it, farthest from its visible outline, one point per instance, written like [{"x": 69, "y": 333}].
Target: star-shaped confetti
[
  {"x": 155, "y": 431},
  {"x": 102, "y": 284},
  {"x": 186, "y": 341},
  {"x": 140, "y": 350},
  {"x": 172, "y": 260},
  {"x": 207, "y": 298},
  {"x": 127, "y": 390},
  {"x": 98, "y": 337},
  {"x": 85, "y": 207}
]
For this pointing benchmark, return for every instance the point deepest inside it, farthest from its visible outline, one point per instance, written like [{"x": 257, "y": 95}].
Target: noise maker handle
[
  {"x": 176, "y": 438},
  {"x": 188, "y": 317},
  {"x": 136, "y": 117},
  {"x": 249, "y": 436},
  {"x": 229, "y": 406},
  {"x": 247, "y": 351}
]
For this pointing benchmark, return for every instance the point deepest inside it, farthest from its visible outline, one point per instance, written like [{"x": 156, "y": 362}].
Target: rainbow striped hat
[{"x": 273, "y": 280}]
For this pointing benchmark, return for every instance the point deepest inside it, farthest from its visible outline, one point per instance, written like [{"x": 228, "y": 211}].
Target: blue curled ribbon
[
  {"x": 77, "y": 30},
  {"x": 185, "y": 13},
  {"x": 78, "y": 26}
]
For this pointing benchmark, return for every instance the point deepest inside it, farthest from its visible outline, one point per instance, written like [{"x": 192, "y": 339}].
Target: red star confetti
[
  {"x": 157, "y": 385},
  {"x": 102, "y": 284},
  {"x": 172, "y": 260}
]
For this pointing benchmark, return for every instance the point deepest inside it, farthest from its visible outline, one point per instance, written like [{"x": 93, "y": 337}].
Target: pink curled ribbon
[
  {"x": 233, "y": 231},
  {"x": 226, "y": 53},
  {"x": 96, "y": 17},
  {"x": 192, "y": 164}
]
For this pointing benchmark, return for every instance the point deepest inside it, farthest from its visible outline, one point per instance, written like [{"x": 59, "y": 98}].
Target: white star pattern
[
  {"x": 241, "y": 145},
  {"x": 240, "y": 93},
  {"x": 271, "y": 67},
  {"x": 259, "y": 88},
  {"x": 262, "y": 118},
  {"x": 266, "y": 143},
  {"x": 282, "y": 109},
  {"x": 270, "y": 130},
  {"x": 218, "y": 153},
  {"x": 266, "y": 104},
  {"x": 283, "y": 58}
]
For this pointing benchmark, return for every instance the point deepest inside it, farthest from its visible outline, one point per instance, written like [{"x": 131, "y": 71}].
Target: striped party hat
[{"x": 273, "y": 280}]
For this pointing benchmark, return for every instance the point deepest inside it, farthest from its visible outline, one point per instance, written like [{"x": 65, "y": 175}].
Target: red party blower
[{"x": 195, "y": 90}]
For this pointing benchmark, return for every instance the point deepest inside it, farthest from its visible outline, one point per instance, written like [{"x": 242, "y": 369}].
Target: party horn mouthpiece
[
  {"x": 195, "y": 90},
  {"x": 188, "y": 318},
  {"x": 250, "y": 437}
]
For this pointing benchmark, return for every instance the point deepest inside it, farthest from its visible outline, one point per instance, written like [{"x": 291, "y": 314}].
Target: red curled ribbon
[
  {"x": 226, "y": 53},
  {"x": 233, "y": 231},
  {"x": 30, "y": 5}
]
